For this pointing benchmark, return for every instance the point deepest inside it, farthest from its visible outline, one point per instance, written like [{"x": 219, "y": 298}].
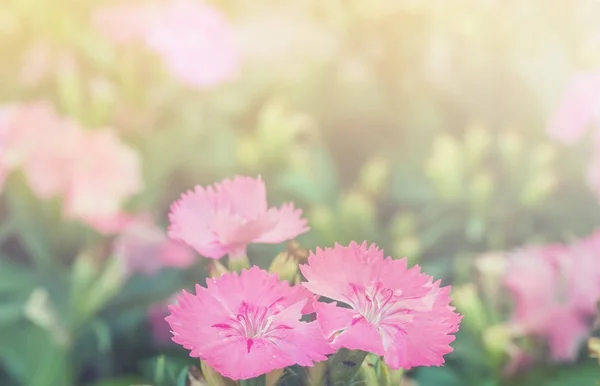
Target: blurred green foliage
[{"x": 419, "y": 126}]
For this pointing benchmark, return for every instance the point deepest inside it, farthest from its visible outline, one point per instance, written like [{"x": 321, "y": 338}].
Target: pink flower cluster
[
  {"x": 248, "y": 324},
  {"x": 556, "y": 288},
  {"x": 577, "y": 111},
  {"x": 193, "y": 39},
  {"x": 144, "y": 248},
  {"x": 93, "y": 171}
]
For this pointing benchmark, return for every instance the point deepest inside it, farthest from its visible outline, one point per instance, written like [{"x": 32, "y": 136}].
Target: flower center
[
  {"x": 371, "y": 302},
  {"x": 251, "y": 323}
]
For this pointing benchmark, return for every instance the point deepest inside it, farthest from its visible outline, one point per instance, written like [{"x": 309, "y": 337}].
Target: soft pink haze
[
  {"x": 248, "y": 324},
  {"x": 93, "y": 171},
  {"x": 578, "y": 108},
  {"x": 396, "y": 312},
  {"x": 226, "y": 217},
  {"x": 194, "y": 39},
  {"x": 555, "y": 289},
  {"x": 145, "y": 249}
]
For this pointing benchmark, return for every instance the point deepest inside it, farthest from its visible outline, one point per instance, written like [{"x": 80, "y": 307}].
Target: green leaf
[
  {"x": 11, "y": 313},
  {"x": 31, "y": 356},
  {"x": 14, "y": 277},
  {"x": 182, "y": 378},
  {"x": 436, "y": 376},
  {"x": 586, "y": 374},
  {"x": 120, "y": 382},
  {"x": 35, "y": 238}
]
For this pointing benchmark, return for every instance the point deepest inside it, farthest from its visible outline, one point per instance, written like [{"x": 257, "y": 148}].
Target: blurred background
[{"x": 461, "y": 134}]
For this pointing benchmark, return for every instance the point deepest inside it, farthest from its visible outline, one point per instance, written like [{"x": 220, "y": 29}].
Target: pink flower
[
  {"x": 105, "y": 174},
  {"x": 196, "y": 43},
  {"x": 156, "y": 316},
  {"x": 247, "y": 325},
  {"x": 194, "y": 40},
  {"x": 40, "y": 142},
  {"x": 555, "y": 289},
  {"x": 125, "y": 24},
  {"x": 578, "y": 108},
  {"x": 92, "y": 170},
  {"x": 146, "y": 249},
  {"x": 395, "y": 312},
  {"x": 225, "y": 218}
]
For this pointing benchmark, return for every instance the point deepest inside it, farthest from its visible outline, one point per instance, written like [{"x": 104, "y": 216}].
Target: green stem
[
  {"x": 261, "y": 380},
  {"x": 344, "y": 365},
  {"x": 239, "y": 263}
]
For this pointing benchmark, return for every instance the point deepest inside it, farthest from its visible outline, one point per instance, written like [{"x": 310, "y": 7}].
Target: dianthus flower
[
  {"x": 555, "y": 288},
  {"x": 105, "y": 173},
  {"x": 93, "y": 171},
  {"x": 225, "y": 218},
  {"x": 193, "y": 39},
  {"x": 394, "y": 311},
  {"x": 578, "y": 108},
  {"x": 145, "y": 249},
  {"x": 247, "y": 325}
]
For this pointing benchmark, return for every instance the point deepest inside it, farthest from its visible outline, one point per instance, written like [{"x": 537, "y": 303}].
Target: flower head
[
  {"x": 555, "y": 289},
  {"x": 247, "y": 325},
  {"x": 106, "y": 172},
  {"x": 146, "y": 249},
  {"x": 228, "y": 216},
  {"x": 92, "y": 170},
  {"x": 578, "y": 108},
  {"x": 396, "y": 312},
  {"x": 193, "y": 39}
]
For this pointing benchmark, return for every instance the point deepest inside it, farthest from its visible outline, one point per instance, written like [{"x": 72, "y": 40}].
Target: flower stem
[
  {"x": 238, "y": 259},
  {"x": 343, "y": 366},
  {"x": 261, "y": 380}
]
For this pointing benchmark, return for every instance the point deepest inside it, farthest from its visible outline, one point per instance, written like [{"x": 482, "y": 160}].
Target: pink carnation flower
[
  {"x": 578, "y": 108},
  {"x": 225, "y": 218},
  {"x": 92, "y": 170},
  {"x": 395, "y": 312},
  {"x": 247, "y": 325},
  {"x": 146, "y": 249},
  {"x": 194, "y": 40},
  {"x": 555, "y": 289},
  {"x": 105, "y": 174}
]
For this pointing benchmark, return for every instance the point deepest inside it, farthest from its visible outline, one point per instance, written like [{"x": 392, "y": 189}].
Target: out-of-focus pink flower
[
  {"x": 555, "y": 289},
  {"x": 48, "y": 168},
  {"x": 196, "y": 43},
  {"x": 40, "y": 142},
  {"x": 92, "y": 170},
  {"x": 395, "y": 312},
  {"x": 156, "y": 316},
  {"x": 247, "y": 325},
  {"x": 581, "y": 270},
  {"x": 125, "y": 24},
  {"x": 225, "y": 218},
  {"x": 578, "y": 108},
  {"x": 105, "y": 174},
  {"x": 194, "y": 40},
  {"x": 145, "y": 249}
]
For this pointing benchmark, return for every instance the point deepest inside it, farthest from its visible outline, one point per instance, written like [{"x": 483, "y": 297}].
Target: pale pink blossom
[
  {"x": 156, "y": 317},
  {"x": 41, "y": 143},
  {"x": 125, "y": 24},
  {"x": 106, "y": 173},
  {"x": 145, "y": 249},
  {"x": 396, "y": 312},
  {"x": 555, "y": 289},
  {"x": 225, "y": 218},
  {"x": 194, "y": 40},
  {"x": 578, "y": 109},
  {"x": 247, "y": 325},
  {"x": 93, "y": 171}
]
